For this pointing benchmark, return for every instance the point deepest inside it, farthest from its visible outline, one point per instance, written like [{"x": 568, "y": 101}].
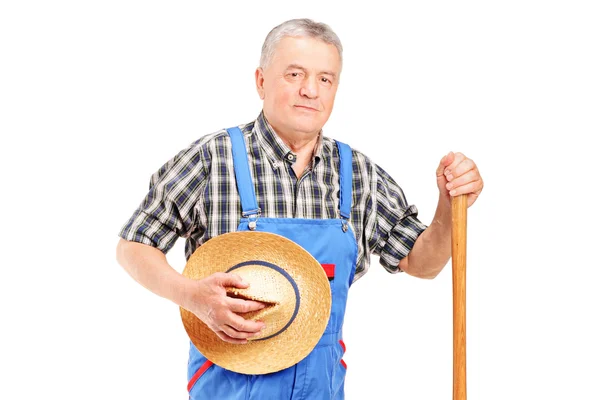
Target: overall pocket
[
  {"x": 205, "y": 366},
  {"x": 213, "y": 382}
]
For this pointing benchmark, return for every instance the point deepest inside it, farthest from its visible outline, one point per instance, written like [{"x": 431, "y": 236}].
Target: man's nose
[{"x": 309, "y": 88}]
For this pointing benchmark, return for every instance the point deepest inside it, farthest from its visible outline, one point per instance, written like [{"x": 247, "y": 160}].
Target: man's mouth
[{"x": 308, "y": 108}]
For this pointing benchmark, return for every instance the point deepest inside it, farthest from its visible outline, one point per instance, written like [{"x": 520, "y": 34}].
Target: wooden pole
[{"x": 459, "y": 269}]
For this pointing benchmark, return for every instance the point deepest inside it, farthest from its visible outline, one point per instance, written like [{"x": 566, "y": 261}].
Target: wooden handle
[{"x": 459, "y": 274}]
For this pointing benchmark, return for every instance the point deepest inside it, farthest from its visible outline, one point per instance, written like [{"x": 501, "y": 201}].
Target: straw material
[{"x": 295, "y": 317}]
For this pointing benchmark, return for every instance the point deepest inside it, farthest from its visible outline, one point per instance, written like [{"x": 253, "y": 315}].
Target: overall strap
[
  {"x": 345, "y": 179},
  {"x": 243, "y": 178}
]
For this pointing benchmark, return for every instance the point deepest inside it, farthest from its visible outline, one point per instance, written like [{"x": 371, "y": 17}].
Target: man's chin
[
  {"x": 308, "y": 129},
  {"x": 308, "y": 125}
]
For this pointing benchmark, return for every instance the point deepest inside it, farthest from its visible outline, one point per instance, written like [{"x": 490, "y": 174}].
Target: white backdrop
[{"x": 95, "y": 96}]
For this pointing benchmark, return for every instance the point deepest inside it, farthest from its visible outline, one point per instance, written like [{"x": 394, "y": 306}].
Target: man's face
[{"x": 299, "y": 85}]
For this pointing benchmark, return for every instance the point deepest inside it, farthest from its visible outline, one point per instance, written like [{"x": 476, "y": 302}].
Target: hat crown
[{"x": 272, "y": 286}]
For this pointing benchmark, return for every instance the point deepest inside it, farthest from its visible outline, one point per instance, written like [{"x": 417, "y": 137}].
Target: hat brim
[{"x": 287, "y": 348}]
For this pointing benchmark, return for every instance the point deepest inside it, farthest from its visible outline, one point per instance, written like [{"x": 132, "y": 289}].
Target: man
[{"x": 296, "y": 173}]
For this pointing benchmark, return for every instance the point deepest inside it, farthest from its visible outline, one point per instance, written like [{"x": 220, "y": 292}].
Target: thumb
[{"x": 444, "y": 162}]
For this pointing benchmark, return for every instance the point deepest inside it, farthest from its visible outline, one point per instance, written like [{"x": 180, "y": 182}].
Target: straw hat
[{"x": 281, "y": 274}]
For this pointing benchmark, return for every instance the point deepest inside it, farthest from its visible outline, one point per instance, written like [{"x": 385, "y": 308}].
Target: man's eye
[{"x": 325, "y": 80}]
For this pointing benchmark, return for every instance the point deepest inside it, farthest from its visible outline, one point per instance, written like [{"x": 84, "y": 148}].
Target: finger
[
  {"x": 470, "y": 176},
  {"x": 472, "y": 187},
  {"x": 449, "y": 170},
  {"x": 244, "y": 306},
  {"x": 464, "y": 166},
  {"x": 244, "y": 325},
  {"x": 235, "y": 334},
  {"x": 223, "y": 336},
  {"x": 230, "y": 280},
  {"x": 444, "y": 162}
]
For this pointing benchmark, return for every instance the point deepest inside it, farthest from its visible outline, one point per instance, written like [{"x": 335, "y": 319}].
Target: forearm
[
  {"x": 432, "y": 249},
  {"x": 149, "y": 267}
]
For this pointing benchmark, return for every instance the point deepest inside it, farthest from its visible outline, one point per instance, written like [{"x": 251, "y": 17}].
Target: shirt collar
[{"x": 276, "y": 149}]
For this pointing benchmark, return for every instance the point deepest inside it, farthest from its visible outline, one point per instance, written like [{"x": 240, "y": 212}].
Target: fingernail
[
  {"x": 449, "y": 177},
  {"x": 449, "y": 186},
  {"x": 452, "y": 192}
]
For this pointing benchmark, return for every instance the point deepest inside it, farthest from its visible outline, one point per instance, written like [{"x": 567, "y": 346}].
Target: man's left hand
[{"x": 458, "y": 175}]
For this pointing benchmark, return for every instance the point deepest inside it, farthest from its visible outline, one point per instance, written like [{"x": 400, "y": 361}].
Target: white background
[{"x": 95, "y": 96}]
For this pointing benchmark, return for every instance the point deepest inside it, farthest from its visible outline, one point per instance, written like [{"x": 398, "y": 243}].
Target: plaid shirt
[{"x": 194, "y": 195}]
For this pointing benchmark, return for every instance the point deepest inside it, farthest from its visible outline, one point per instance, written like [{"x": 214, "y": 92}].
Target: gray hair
[{"x": 298, "y": 28}]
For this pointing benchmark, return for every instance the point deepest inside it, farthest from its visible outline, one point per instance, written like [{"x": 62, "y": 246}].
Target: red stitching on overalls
[{"x": 343, "y": 348}]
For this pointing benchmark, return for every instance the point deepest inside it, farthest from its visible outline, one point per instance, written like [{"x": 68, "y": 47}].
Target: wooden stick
[{"x": 459, "y": 269}]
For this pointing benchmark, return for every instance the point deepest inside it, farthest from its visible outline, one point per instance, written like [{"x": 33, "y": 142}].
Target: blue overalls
[{"x": 332, "y": 243}]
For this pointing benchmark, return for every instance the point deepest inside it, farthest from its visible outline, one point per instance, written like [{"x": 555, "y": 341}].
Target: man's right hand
[{"x": 208, "y": 300}]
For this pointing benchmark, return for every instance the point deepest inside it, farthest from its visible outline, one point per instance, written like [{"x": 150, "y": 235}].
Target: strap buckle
[{"x": 252, "y": 216}]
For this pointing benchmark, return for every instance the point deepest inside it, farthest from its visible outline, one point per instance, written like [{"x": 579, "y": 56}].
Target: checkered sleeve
[
  {"x": 397, "y": 224},
  {"x": 168, "y": 211}
]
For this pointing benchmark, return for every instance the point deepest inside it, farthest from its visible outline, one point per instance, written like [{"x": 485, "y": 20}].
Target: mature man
[{"x": 297, "y": 174}]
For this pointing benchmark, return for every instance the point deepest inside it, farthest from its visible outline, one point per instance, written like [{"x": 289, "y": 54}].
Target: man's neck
[
  {"x": 302, "y": 144},
  {"x": 303, "y": 148}
]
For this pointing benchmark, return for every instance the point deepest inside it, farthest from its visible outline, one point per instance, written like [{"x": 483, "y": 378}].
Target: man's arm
[
  {"x": 166, "y": 213},
  {"x": 206, "y": 298},
  {"x": 456, "y": 175},
  {"x": 149, "y": 267},
  {"x": 432, "y": 249}
]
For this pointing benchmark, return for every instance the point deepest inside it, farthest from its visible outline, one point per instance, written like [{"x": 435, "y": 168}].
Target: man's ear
[{"x": 260, "y": 82}]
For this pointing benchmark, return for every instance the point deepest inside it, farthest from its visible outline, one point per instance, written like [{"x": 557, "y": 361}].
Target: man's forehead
[
  {"x": 306, "y": 53},
  {"x": 303, "y": 42}
]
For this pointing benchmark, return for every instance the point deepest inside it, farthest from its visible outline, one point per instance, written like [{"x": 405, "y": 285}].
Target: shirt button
[{"x": 290, "y": 157}]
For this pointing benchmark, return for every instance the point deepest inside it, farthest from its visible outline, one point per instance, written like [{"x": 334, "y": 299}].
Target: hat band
[{"x": 286, "y": 276}]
